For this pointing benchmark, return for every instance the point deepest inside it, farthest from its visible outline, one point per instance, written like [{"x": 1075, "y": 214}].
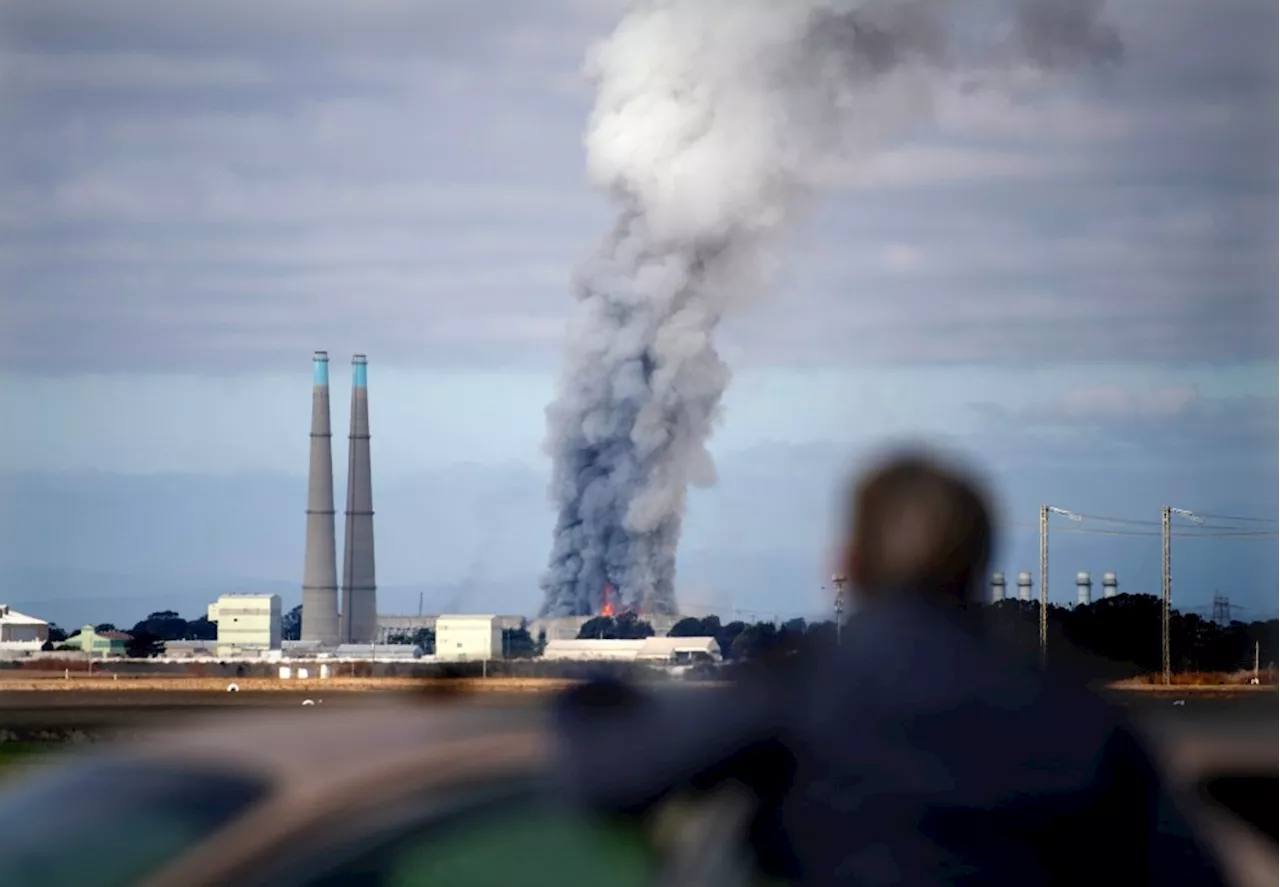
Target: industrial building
[
  {"x": 248, "y": 624},
  {"x": 654, "y": 650},
  {"x": 21, "y": 633},
  {"x": 322, "y": 622},
  {"x": 468, "y": 638},
  {"x": 99, "y": 643}
]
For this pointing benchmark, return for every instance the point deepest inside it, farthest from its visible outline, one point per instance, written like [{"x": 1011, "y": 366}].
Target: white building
[
  {"x": 468, "y": 638},
  {"x": 21, "y": 633},
  {"x": 248, "y": 624},
  {"x": 653, "y": 650}
]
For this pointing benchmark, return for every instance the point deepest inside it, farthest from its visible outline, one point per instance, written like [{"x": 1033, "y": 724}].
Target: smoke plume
[{"x": 715, "y": 122}]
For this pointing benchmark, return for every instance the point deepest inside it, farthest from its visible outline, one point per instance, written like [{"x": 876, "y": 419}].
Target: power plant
[{"x": 321, "y": 621}]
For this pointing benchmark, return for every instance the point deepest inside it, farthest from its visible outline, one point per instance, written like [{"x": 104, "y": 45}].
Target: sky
[{"x": 1073, "y": 285}]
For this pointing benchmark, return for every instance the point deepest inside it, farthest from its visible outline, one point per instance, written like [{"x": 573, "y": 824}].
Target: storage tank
[
  {"x": 1110, "y": 585},
  {"x": 1084, "y": 589},
  {"x": 997, "y": 587},
  {"x": 1024, "y": 586}
]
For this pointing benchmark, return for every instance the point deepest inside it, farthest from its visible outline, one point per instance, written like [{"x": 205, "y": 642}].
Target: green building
[{"x": 100, "y": 643}]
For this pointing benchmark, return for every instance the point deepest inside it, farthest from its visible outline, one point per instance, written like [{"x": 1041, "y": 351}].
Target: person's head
[{"x": 918, "y": 524}]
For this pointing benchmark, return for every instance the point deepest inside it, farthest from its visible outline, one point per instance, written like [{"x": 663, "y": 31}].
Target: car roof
[{"x": 327, "y": 767}]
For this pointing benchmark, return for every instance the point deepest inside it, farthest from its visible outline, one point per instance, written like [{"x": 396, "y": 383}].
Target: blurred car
[
  {"x": 401, "y": 796},
  {"x": 389, "y": 796}
]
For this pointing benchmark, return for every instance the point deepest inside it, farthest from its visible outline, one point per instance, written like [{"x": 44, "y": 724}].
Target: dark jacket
[{"x": 916, "y": 752}]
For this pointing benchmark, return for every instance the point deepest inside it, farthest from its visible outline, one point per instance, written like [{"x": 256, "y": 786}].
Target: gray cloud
[
  {"x": 183, "y": 187},
  {"x": 1168, "y": 422}
]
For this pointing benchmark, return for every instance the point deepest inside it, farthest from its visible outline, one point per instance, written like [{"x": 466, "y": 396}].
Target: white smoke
[{"x": 715, "y": 121}]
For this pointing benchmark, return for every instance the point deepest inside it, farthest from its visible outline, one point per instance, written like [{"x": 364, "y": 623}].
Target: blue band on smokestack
[
  {"x": 359, "y": 371},
  {"x": 320, "y": 366}
]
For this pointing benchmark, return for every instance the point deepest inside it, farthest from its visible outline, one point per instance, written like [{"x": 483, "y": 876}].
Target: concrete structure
[
  {"x": 997, "y": 587},
  {"x": 190, "y": 649},
  {"x": 359, "y": 588},
  {"x": 1110, "y": 585},
  {"x": 320, "y": 571},
  {"x": 21, "y": 633},
  {"x": 468, "y": 638},
  {"x": 654, "y": 650},
  {"x": 248, "y": 624},
  {"x": 392, "y": 625},
  {"x": 293, "y": 649},
  {"x": 1024, "y": 586},
  {"x": 100, "y": 643},
  {"x": 378, "y": 651},
  {"x": 1084, "y": 589}
]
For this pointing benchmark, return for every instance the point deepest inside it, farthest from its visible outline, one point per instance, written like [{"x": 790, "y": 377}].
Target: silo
[
  {"x": 997, "y": 587},
  {"x": 1084, "y": 589},
  {"x": 1024, "y": 586},
  {"x": 319, "y": 571},
  {"x": 1110, "y": 585}
]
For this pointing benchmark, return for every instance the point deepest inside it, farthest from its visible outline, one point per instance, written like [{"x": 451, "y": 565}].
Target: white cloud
[{"x": 177, "y": 184}]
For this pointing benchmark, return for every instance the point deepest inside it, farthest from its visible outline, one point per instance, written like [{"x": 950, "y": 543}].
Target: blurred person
[{"x": 917, "y": 751}]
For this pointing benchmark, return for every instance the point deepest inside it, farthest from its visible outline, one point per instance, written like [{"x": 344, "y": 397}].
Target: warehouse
[
  {"x": 468, "y": 638},
  {"x": 21, "y": 633},
  {"x": 657, "y": 651}
]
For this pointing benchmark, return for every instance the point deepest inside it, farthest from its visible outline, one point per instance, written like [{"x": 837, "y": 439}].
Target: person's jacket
[{"x": 915, "y": 752}]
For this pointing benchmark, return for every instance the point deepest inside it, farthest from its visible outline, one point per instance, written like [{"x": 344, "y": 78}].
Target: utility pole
[
  {"x": 1045, "y": 511},
  {"x": 838, "y": 581},
  {"x": 1255, "y": 661},
  {"x": 1166, "y": 583},
  {"x": 1044, "y": 583},
  {"x": 1166, "y": 589}
]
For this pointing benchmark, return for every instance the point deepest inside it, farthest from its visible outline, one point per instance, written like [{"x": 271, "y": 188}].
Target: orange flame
[{"x": 607, "y": 609}]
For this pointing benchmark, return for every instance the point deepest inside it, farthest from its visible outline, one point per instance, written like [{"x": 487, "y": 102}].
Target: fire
[{"x": 607, "y": 609}]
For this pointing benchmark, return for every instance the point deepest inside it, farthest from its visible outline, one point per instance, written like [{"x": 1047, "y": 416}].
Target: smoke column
[{"x": 715, "y": 122}]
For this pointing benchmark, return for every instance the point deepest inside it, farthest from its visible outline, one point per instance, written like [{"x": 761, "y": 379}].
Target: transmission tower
[{"x": 1221, "y": 609}]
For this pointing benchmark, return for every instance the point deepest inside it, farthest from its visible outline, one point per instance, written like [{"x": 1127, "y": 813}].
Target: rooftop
[{"x": 13, "y": 617}]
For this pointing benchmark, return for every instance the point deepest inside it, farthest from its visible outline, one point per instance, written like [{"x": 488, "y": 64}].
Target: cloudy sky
[{"x": 1076, "y": 285}]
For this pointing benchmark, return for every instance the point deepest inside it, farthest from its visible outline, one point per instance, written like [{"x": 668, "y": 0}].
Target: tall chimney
[
  {"x": 359, "y": 590},
  {"x": 320, "y": 571}
]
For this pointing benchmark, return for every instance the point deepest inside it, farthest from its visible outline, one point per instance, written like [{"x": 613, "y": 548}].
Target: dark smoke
[{"x": 714, "y": 121}]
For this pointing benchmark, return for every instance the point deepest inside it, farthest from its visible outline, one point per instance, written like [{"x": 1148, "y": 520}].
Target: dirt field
[{"x": 57, "y": 683}]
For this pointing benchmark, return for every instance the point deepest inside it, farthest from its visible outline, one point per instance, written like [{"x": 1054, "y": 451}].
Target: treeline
[
  {"x": 146, "y": 638},
  {"x": 1123, "y": 630}
]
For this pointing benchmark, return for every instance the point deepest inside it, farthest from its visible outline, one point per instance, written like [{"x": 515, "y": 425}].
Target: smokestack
[
  {"x": 997, "y": 587},
  {"x": 1110, "y": 585},
  {"x": 359, "y": 591},
  {"x": 1084, "y": 589},
  {"x": 320, "y": 572},
  {"x": 1024, "y": 586}
]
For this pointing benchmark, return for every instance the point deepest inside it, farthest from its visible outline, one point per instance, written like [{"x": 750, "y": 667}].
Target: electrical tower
[{"x": 1221, "y": 609}]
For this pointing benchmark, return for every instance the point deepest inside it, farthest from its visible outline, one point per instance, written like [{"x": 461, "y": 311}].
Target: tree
[
  {"x": 291, "y": 624},
  {"x": 144, "y": 645},
  {"x": 517, "y": 643},
  {"x": 165, "y": 624},
  {"x": 201, "y": 630},
  {"x": 104, "y": 626},
  {"x": 56, "y": 634},
  {"x": 693, "y": 627},
  {"x": 627, "y": 626}
]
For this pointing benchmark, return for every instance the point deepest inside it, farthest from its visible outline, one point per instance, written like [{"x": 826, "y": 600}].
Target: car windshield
[{"x": 112, "y": 822}]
